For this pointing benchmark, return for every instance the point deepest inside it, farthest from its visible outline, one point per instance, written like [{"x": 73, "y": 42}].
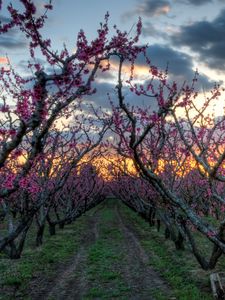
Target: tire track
[
  {"x": 139, "y": 278},
  {"x": 142, "y": 279},
  {"x": 71, "y": 278}
]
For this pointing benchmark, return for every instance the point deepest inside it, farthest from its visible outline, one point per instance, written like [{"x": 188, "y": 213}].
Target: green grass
[
  {"x": 179, "y": 268},
  {"x": 58, "y": 248},
  {"x": 104, "y": 257}
]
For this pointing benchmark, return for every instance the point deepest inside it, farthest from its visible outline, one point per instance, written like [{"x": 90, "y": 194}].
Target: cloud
[
  {"x": 8, "y": 42},
  {"x": 154, "y": 8},
  {"x": 4, "y": 19},
  {"x": 105, "y": 76},
  {"x": 195, "y": 2},
  {"x": 150, "y": 8},
  {"x": 149, "y": 30},
  {"x": 206, "y": 38},
  {"x": 3, "y": 60},
  {"x": 101, "y": 98},
  {"x": 180, "y": 65},
  {"x": 12, "y": 40}
]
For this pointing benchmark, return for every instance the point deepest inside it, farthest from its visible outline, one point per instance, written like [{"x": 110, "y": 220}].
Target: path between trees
[{"x": 110, "y": 264}]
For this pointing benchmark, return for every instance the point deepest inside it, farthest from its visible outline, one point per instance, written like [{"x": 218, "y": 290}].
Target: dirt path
[
  {"x": 66, "y": 285},
  {"x": 70, "y": 281},
  {"x": 142, "y": 278},
  {"x": 136, "y": 278}
]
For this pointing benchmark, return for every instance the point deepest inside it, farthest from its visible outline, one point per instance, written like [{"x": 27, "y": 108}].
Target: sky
[{"x": 186, "y": 34}]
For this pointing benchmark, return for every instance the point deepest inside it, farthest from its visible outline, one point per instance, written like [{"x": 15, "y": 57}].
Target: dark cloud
[
  {"x": 154, "y": 8},
  {"x": 8, "y": 42},
  {"x": 23, "y": 66},
  {"x": 199, "y": 2},
  {"x": 149, "y": 30},
  {"x": 180, "y": 65},
  {"x": 206, "y": 39},
  {"x": 150, "y": 8},
  {"x": 12, "y": 40},
  {"x": 4, "y": 19},
  {"x": 101, "y": 98},
  {"x": 179, "y": 62},
  {"x": 196, "y": 2}
]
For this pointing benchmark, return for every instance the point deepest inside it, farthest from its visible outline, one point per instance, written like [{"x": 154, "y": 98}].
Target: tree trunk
[
  {"x": 13, "y": 253},
  {"x": 158, "y": 224},
  {"x": 39, "y": 236},
  {"x": 179, "y": 243},
  {"x": 52, "y": 229},
  {"x": 61, "y": 225},
  {"x": 167, "y": 233}
]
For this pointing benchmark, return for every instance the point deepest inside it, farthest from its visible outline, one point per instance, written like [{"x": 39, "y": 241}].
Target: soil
[
  {"x": 71, "y": 281},
  {"x": 142, "y": 278}
]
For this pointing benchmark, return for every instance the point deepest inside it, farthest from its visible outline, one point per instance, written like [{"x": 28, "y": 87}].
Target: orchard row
[{"x": 50, "y": 137}]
